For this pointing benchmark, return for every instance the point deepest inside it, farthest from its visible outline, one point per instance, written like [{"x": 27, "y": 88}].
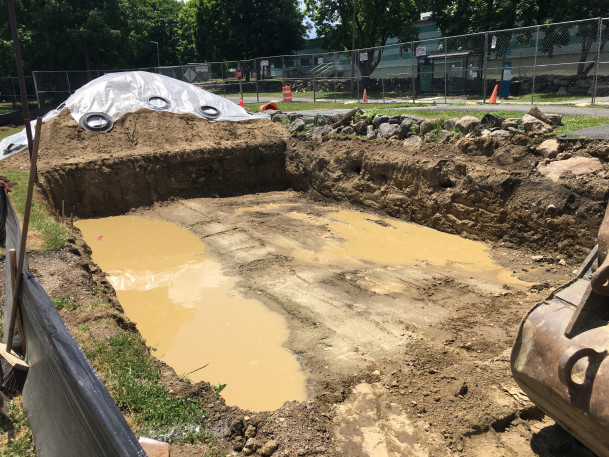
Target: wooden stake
[
  {"x": 12, "y": 257},
  {"x": 24, "y": 230}
]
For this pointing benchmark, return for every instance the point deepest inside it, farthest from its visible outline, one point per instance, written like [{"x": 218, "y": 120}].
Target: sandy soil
[
  {"x": 138, "y": 134},
  {"x": 401, "y": 360}
]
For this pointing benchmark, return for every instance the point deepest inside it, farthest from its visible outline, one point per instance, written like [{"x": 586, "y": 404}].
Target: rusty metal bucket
[{"x": 560, "y": 355}]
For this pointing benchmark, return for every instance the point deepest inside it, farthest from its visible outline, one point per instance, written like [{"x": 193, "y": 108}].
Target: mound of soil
[{"x": 138, "y": 134}]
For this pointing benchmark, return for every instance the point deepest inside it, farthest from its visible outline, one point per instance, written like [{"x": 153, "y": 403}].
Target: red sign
[{"x": 238, "y": 73}]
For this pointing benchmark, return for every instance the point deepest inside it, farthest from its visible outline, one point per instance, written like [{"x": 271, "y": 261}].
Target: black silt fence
[{"x": 69, "y": 409}]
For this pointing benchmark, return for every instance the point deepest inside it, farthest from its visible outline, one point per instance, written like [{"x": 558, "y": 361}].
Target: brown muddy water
[{"x": 191, "y": 313}]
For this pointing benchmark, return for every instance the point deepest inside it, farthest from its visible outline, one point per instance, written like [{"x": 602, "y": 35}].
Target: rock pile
[{"x": 406, "y": 127}]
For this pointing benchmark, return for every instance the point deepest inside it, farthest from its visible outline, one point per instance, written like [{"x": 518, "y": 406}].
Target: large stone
[
  {"x": 500, "y": 133},
  {"x": 154, "y": 448},
  {"x": 279, "y": 117},
  {"x": 492, "y": 120},
  {"x": 346, "y": 119},
  {"x": 405, "y": 128},
  {"x": 293, "y": 116},
  {"x": 297, "y": 126},
  {"x": 320, "y": 132},
  {"x": 360, "y": 127},
  {"x": 450, "y": 124},
  {"x": 548, "y": 149},
  {"x": 431, "y": 124},
  {"x": 413, "y": 142},
  {"x": 348, "y": 130},
  {"x": 467, "y": 124},
  {"x": 444, "y": 136},
  {"x": 576, "y": 165},
  {"x": 378, "y": 120},
  {"x": 555, "y": 119},
  {"x": 429, "y": 137},
  {"x": 534, "y": 111},
  {"x": 535, "y": 125},
  {"x": 323, "y": 119},
  {"x": 388, "y": 130},
  {"x": 268, "y": 448},
  {"x": 371, "y": 133}
]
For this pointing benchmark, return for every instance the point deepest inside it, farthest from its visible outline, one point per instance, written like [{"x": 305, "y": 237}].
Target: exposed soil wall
[
  {"x": 114, "y": 186},
  {"x": 476, "y": 189},
  {"x": 484, "y": 188}
]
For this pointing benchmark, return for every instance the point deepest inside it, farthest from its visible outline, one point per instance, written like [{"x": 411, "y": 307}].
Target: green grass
[
  {"x": 5, "y": 133},
  {"x": 7, "y": 107},
  {"x": 301, "y": 106},
  {"x": 64, "y": 302},
  {"x": 53, "y": 234},
  {"x": 546, "y": 97},
  {"x": 580, "y": 122},
  {"x": 133, "y": 380},
  {"x": 20, "y": 442}
]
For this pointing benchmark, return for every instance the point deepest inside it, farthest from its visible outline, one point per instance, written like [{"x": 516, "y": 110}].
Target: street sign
[
  {"x": 189, "y": 75},
  {"x": 202, "y": 68},
  {"x": 238, "y": 73},
  {"x": 421, "y": 51},
  {"x": 264, "y": 63},
  {"x": 493, "y": 42},
  {"x": 363, "y": 56}
]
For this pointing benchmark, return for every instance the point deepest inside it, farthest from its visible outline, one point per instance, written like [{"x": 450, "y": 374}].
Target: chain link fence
[{"x": 563, "y": 62}]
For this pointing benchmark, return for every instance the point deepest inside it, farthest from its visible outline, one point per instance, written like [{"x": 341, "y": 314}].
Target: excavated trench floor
[
  {"x": 406, "y": 330},
  {"x": 397, "y": 339}
]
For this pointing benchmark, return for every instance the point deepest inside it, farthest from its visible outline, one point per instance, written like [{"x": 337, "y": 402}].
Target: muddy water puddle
[
  {"x": 355, "y": 235},
  {"x": 191, "y": 313}
]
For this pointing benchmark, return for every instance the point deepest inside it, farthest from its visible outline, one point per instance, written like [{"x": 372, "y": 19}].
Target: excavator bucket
[{"x": 560, "y": 355}]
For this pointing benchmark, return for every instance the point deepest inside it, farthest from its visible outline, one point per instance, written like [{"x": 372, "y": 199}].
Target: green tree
[
  {"x": 185, "y": 33},
  {"x": 244, "y": 29},
  {"x": 585, "y": 33},
  {"x": 469, "y": 16},
  {"x": 375, "y": 22}
]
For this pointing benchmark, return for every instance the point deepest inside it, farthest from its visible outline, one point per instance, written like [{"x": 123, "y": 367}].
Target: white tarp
[{"x": 116, "y": 94}]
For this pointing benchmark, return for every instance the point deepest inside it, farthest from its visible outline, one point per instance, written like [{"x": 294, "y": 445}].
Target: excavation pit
[{"x": 386, "y": 346}]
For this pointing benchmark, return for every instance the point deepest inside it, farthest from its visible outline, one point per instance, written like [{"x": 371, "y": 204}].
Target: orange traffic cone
[
  {"x": 288, "y": 94},
  {"x": 241, "y": 101},
  {"x": 283, "y": 93},
  {"x": 493, "y": 98},
  {"x": 365, "y": 97}
]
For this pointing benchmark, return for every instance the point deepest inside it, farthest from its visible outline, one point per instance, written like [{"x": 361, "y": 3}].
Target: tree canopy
[
  {"x": 243, "y": 29},
  {"x": 375, "y": 22}
]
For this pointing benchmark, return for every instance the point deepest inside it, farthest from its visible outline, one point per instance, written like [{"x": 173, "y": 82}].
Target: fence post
[
  {"x": 14, "y": 93},
  {"x": 445, "y": 68},
  {"x": 598, "y": 58},
  {"x": 535, "y": 66},
  {"x": 484, "y": 67},
  {"x": 412, "y": 60},
  {"x": 36, "y": 89},
  {"x": 256, "y": 72},
  {"x": 314, "y": 65},
  {"x": 68, "y": 80},
  {"x": 383, "y": 86}
]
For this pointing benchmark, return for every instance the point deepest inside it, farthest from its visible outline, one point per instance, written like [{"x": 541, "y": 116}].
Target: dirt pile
[{"x": 142, "y": 133}]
